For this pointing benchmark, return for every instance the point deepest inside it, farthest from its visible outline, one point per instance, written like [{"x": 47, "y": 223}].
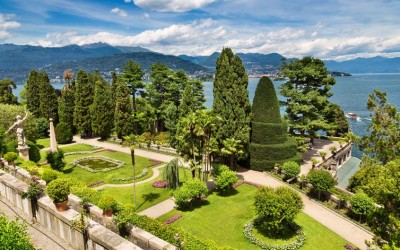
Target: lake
[{"x": 351, "y": 93}]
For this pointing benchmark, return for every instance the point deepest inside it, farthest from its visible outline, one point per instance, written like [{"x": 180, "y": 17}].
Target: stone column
[{"x": 53, "y": 141}]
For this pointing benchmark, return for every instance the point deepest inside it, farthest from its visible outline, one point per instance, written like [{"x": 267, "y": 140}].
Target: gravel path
[{"x": 40, "y": 236}]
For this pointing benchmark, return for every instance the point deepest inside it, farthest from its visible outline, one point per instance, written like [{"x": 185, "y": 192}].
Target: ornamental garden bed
[
  {"x": 224, "y": 217},
  {"x": 98, "y": 163}
]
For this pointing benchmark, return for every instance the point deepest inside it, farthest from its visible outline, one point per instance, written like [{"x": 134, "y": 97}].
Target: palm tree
[{"x": 231, "y": 149}]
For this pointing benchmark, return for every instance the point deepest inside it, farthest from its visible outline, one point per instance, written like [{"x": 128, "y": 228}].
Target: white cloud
[
  {"x": 127, "y": 1},
  {"x": 119, "y": 12},
  {"x": 6, "y": 24},
  {"x": 146, "y": 15},
  {"x": 172, "y": 5}
]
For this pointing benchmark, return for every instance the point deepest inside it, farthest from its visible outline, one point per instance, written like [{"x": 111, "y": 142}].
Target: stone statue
[{"x": 19, "y": 124}]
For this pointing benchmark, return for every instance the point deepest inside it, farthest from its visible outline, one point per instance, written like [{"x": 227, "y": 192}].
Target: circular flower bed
[
  {"x": 91, "y": 163},
  {"x": 296, "y": 244}
]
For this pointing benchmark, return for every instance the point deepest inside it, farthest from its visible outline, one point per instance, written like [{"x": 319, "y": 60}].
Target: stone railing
[{"x": 157, "y": 147}]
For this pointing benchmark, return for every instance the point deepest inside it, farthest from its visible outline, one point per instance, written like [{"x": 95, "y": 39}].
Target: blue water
[{"x": 351, "y": 93}]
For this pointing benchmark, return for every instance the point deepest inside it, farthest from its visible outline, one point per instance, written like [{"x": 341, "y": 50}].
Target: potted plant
[
  {"x": 58, "y": 190},
  {"x": 10, "y": 157},
  {"x": 333, "y": 149},
  {"x": 314, "y": 161},
  {"x": 34, "y": 192},
  {"x": 108, "y": 204},
  {"x": 323, "y": 154}
]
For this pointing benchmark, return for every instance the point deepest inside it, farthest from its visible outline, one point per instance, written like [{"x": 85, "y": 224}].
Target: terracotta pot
[
  {"x": 107, "y": 213},
  {"x": 61, "y": 206}
]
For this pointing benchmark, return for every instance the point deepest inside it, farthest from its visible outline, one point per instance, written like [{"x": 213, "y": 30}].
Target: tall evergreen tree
[
  {"x": 133, "y": 75},
  {"x": 6, "y": 94},
  {"x": 32, "y": 88},
  {"x": 83, "y": 101},
  {"x": 101, "y": 113},
  {"x": 270, "y": 143},
  {"x": 123, "y": 110},
  {"x": 66, "y": 106},
  {"x": 48, "y": 98},
  {"x": 231, "y": 99},
  {"x": 192, "y": 98}
]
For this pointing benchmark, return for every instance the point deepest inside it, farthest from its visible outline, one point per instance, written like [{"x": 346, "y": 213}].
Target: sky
[{"x": 327, "y": 29}]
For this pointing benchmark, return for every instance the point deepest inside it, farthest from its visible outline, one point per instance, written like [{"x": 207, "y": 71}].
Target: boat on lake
[{"x": 352, "y": 116}]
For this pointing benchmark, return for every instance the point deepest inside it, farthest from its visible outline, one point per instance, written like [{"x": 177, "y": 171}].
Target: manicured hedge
[
  {"x": 274, "y": 151},
  {"x": 265, "y": 165},
  {"x": 265, "y": 103},
  {"x": 268, "y": 133}
]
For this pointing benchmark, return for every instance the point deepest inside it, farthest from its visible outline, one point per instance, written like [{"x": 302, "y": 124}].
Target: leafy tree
[
  {"x": 56, "y": 159},
  {"x": 189, "y": 192},
  {"x": 383, "y": 138},
  {"x": 102, "y": 119},
  {"x": 32, "y": 88},
  {"x": 270, "y": 143},
  {"x": 232, "y": 149},
  {"x": 275, "y": 208},
  {"x": 192, "y": 98},
  {"x": 361, "y": 204},
  {"x": 123, "y": 110},
  {"x": 321, "y": 180},
  {"x": 132, "y": 75},
  {"x": 66, "y": 106},
  {"x": 6, "y": 95},
  {"x": 231, "y": 100},
  {"x": 171, "y": 122},
  {"x": 83, "y": 101},
  {"x": 63, "y": 133},
  {"x": 13, "y": 235},
  {"x": 171, "y": 174},
  {"x": 335, "y": 115},
  {"x": 307, "y": 93},
  {"x": 48, "y": 98},
  {"x": 291, "y": 169},
  {"x": 43, "y": 127},
  {"x": 225, "y": 181}
]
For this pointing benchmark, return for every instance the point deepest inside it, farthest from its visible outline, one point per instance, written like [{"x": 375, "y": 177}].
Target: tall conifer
[
  {"x": 32, "y": 88},
  {"x": 101, "y": 113},
  {"x": 66, "y": 106},
  {"x": 83, "y": 101},
  {"x": 123, "y": 110},
  {"x": 231, "y": 99},
  {"x": 48, "y": 97}
]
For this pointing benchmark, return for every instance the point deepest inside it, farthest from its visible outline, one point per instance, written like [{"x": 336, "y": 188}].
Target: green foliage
[
  {"x": 161, "y": 138},
  {"x": 231, "y": 100},
  {"x": 49, "y": 175},
  {"x": 34, "y": 151},
  {"x": 335, "y": 115},
  {"x": 382, "y": 139},
  {"x": 6, "y": 94},
  {"x": 56, "y": 159},
  {"x": 291, "y": 169},
  {"x": 42, "y": 127},
  {"x": 108, "y": 202},
  {"x": 218, "y": 169},
  {"x": 83, "y": 100},
  {"x": 361, "y": 204},
  {"x": 2, "y": 143},
  {"x": 321, "y": 180},
  {"x": 9, "y": 113},
  {"x": 48, "y": 98},
  {"x": 101, "y": 113},
  {"x": 323, "y": 154},
  {"x": 66, "y": 106},
  {"x": 192, "y": 98},
  {"x": 10, "y": 156},
  {"x": 32, "y": 88},
  {"x": 63, "y": 133},
  {"x": 307, "y": 91},
  {"x": 11, "y": 146},
  {"x": 171, "y": 174},
  {"x": 35, "y": 190},
  {"x": 132, "y": 76},
  {"x": 86, "y": 194},
  {"x": 225, "y": 180},
  {"x": 189, "y": 191},
  {"x": 58, "y": 190},
  {"x": 13, "y": 235},
  {"x": 123, "y": 110},
  {"x": 270, "y": 143},
  {"x": 275, "y": 208}
]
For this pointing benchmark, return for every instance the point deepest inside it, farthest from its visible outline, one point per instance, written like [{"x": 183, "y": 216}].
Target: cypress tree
[
  {"x": 270, "y": 143},
  {"x": 66, "y": 106},
  {"x": 123, "y": 110},
  {"x": 32, "y": 88},
  {"x": 83, "y": 101},
  {"x": 133, "y": 75},
  {"x": 48, "y": 98},
  {"x": 101, "y": 113},
  {"x": 231, "y": 99}
]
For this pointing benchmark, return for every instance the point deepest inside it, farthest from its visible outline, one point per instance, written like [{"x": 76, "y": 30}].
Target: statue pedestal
[{"x": 23, "y": 152}]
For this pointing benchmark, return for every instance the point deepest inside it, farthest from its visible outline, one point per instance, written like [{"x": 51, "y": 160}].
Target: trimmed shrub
[
  {"x": 63, "y": 133},
  {"x": 291, "y": 169},
  {"x": 273, "y": 151},
  {"x": 361, "y": 204},
  {"x": 58, "y": 190},
  {"x": 43, "y": 127},
  {"x": 264, "y": 165},
  {"x": 265, "y": 103},
  {"x": 277, "y": 133},
  {"x": 11, "y": 146},
  {"x": 225, "y": 181},
  {"x": 10, "y": 156},
  {"x": 276, "y": 208},
  {"x": 13, "y": 234},
  {"x": 34, "y": 152},
  {"x": 86, "y": 194},
  {"x": 107, "y": 202},
  {"x": 161, "y": 138},
  {"x": 321, "y": 180},
  {"x": 56, "y": 159},
  {"x": 49, "y": 175},
  {"x": 217, "y": 169},
  {"x": 191, "y": 190}
]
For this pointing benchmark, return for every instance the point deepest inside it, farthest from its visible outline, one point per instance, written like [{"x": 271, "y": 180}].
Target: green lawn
[
  {"x": 43, "y": 143},
  {"x": 88, "y": 177},
  {"x": 222, "y": 219},
  {"x": 146, "y": 194}
]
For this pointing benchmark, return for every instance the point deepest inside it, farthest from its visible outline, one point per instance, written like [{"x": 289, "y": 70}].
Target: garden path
[{"x": 332, "y": 220}]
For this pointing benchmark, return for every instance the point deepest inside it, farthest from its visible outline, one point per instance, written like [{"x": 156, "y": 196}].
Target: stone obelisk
[{"x": 53, "y": 141}]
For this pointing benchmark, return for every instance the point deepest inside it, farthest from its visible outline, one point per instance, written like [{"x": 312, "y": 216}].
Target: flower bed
[
  {"x": 95, "y": 183},
  {"x": 296, "y": 244},
  {"x": 84, "y": 152},
  {"x": 154, "y": 163},
  {"x": 173, "y": 219},
  {"x": 143, "y": 173},
  {"x": 117, "y": 163},
  {"x": 159, "y": 184}
]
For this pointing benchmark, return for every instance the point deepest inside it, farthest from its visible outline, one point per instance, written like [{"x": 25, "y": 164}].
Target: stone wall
[{"x": 60, "y": 223}]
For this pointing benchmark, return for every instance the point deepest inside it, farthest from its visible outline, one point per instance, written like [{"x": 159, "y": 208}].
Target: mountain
[{"x": 376, "y": 64}]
